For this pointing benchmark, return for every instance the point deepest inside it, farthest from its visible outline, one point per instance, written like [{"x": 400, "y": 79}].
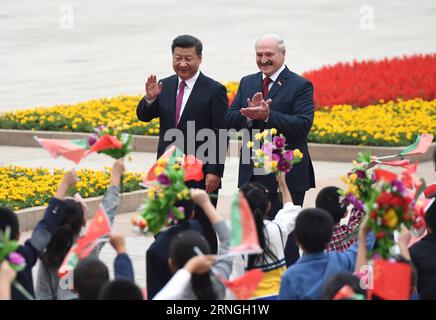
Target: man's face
[
  {"x": 186, "y": 62},
  {"x": 269, "y": 57}
]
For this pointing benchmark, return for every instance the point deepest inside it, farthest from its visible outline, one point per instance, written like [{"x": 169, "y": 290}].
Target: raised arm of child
[
  {"x": 362, "y": 251},
  {"x": 403, "y": 242},
  {"x": 123, "y": 268},
  {"x": 7, "y": 276},
  {"x": 201, "y": 198},
  {"x": 286, "y": 195},
  {"x": 111, "y": 199}
]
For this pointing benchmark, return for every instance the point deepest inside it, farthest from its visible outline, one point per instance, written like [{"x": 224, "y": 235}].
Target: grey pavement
[{"x": 112, "y": 45}]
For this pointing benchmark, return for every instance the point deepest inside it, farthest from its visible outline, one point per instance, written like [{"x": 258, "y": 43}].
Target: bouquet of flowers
[
  {"x": 389, "y": 205},
  {"x": 16, "y": 261},
  {"x": 163, "y": 193},
  {"x": 358, "y": 182},
  {"x": 273, "y": 155},
  {"x": 113, "y": 131}
]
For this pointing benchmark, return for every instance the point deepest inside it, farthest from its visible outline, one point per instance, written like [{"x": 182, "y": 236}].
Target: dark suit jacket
[
  {"x": 158, "y": 270},
  {"x": 291, "y": 113},
  {"x": 423, "y": 254},
  {"x": 207, "y": 105}
]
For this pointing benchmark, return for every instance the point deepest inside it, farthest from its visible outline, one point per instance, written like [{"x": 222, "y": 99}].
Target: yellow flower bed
[
  {"x": 82, "y": 117},
  {"x": 394, "y": 123},
  {"x": 25, "y": 187}
]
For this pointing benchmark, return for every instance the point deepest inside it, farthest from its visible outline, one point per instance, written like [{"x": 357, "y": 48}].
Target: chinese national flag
[
  {"x": 99, "y": 226},
  {"x": 391, "y": 280}
]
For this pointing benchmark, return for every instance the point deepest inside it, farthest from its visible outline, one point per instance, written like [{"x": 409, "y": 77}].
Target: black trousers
[{"x": 292, "y": 253}]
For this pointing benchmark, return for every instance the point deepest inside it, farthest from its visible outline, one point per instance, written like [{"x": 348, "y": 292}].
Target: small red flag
[
  {"x": 391, "y": 280},
  {"x": 244, "y": 286},
  {"x": 384, "y": 175},
  {"x": 193, "y": 168},
  {"x": 99, "y": 226},
  {"x": 105, "y": 142},
  {"x": 430, "y": 191}
]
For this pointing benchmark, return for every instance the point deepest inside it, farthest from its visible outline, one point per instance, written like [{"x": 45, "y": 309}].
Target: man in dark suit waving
[
  {"x": 190, "y": 102},
  {"x": 276, "y": 98}
]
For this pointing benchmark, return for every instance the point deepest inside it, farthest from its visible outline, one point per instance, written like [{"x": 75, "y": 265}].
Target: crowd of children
[{"x": 179, "y": 263}]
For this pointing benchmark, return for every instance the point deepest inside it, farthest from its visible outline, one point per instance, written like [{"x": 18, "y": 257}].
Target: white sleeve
[
  {"x": 285, "y": 219},
  {"x": 175, "y": 288}
]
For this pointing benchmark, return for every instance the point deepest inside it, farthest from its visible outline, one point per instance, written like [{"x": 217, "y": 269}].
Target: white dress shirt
[{"x": 187, "y": 91}]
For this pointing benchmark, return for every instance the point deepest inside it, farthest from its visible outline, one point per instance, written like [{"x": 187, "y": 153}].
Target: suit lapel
[
  {"x": 278, "y": 84},
  {"x": 193, "y": 99}
]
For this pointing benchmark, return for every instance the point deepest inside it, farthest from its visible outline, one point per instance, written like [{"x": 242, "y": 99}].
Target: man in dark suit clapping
[
  {"x": 277, "y": 98},
  {"x": 186, "y": 103}
]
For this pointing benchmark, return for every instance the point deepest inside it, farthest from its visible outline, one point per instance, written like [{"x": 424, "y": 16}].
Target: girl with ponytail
[
  {"x": 272, "y": 236},
  {"x": 48, "y": 284},
  {"x": 190, "y": 260}
]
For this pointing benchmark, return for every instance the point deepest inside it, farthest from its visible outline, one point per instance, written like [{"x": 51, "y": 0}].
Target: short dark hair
[
  {"x": 313, "y": 229},
  {"x": 188, "y": 207},
  {"x": 8, "y": 218},
  {"x": 90, "y": 275},
  {"x": 120, "y": 289},
  {"x": 337, "y": 282},
  {"x": 187, "y": 41},
  {"x": 328, "y": 199},
  {"x": 430, "y": 216},
  {"x": 182, "y": 250}
]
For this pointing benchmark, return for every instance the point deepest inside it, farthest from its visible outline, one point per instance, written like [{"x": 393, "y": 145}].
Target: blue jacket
[{"x": 305, "y": 279}]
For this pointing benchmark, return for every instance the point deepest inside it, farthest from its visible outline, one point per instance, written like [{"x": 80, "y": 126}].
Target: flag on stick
[
  {"x": 99, "y": 226},
  {"x": 243, "y": 237},
  {"x": 76, "y": 150}
]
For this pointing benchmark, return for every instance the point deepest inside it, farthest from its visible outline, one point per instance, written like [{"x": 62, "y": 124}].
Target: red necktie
[
  {"x": 179, "y": 101},
  {"x": 266, "y": 83}
]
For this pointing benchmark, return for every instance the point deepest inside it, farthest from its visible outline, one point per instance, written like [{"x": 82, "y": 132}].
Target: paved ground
[{"x": 113, "y": 45}]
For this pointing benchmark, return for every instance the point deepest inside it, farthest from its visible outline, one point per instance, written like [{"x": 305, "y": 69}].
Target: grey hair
[{"x": 279, "y": 40}]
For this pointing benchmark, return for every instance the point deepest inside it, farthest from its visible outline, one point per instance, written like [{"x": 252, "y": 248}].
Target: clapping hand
[{"x": 257, "y": 108}]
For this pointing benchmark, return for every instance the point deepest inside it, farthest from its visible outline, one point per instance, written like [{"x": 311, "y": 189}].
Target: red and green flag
[
  {"x": 243, "y": 236},
  {"x": 421, "y": 145},
  {"x": 391, "y": 280},
  {"x": 99, "y": 226},
  {"x": 75, "y": 150}
]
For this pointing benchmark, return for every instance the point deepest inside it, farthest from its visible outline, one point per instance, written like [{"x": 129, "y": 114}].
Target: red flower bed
[{"x": 367, "y": 82}]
